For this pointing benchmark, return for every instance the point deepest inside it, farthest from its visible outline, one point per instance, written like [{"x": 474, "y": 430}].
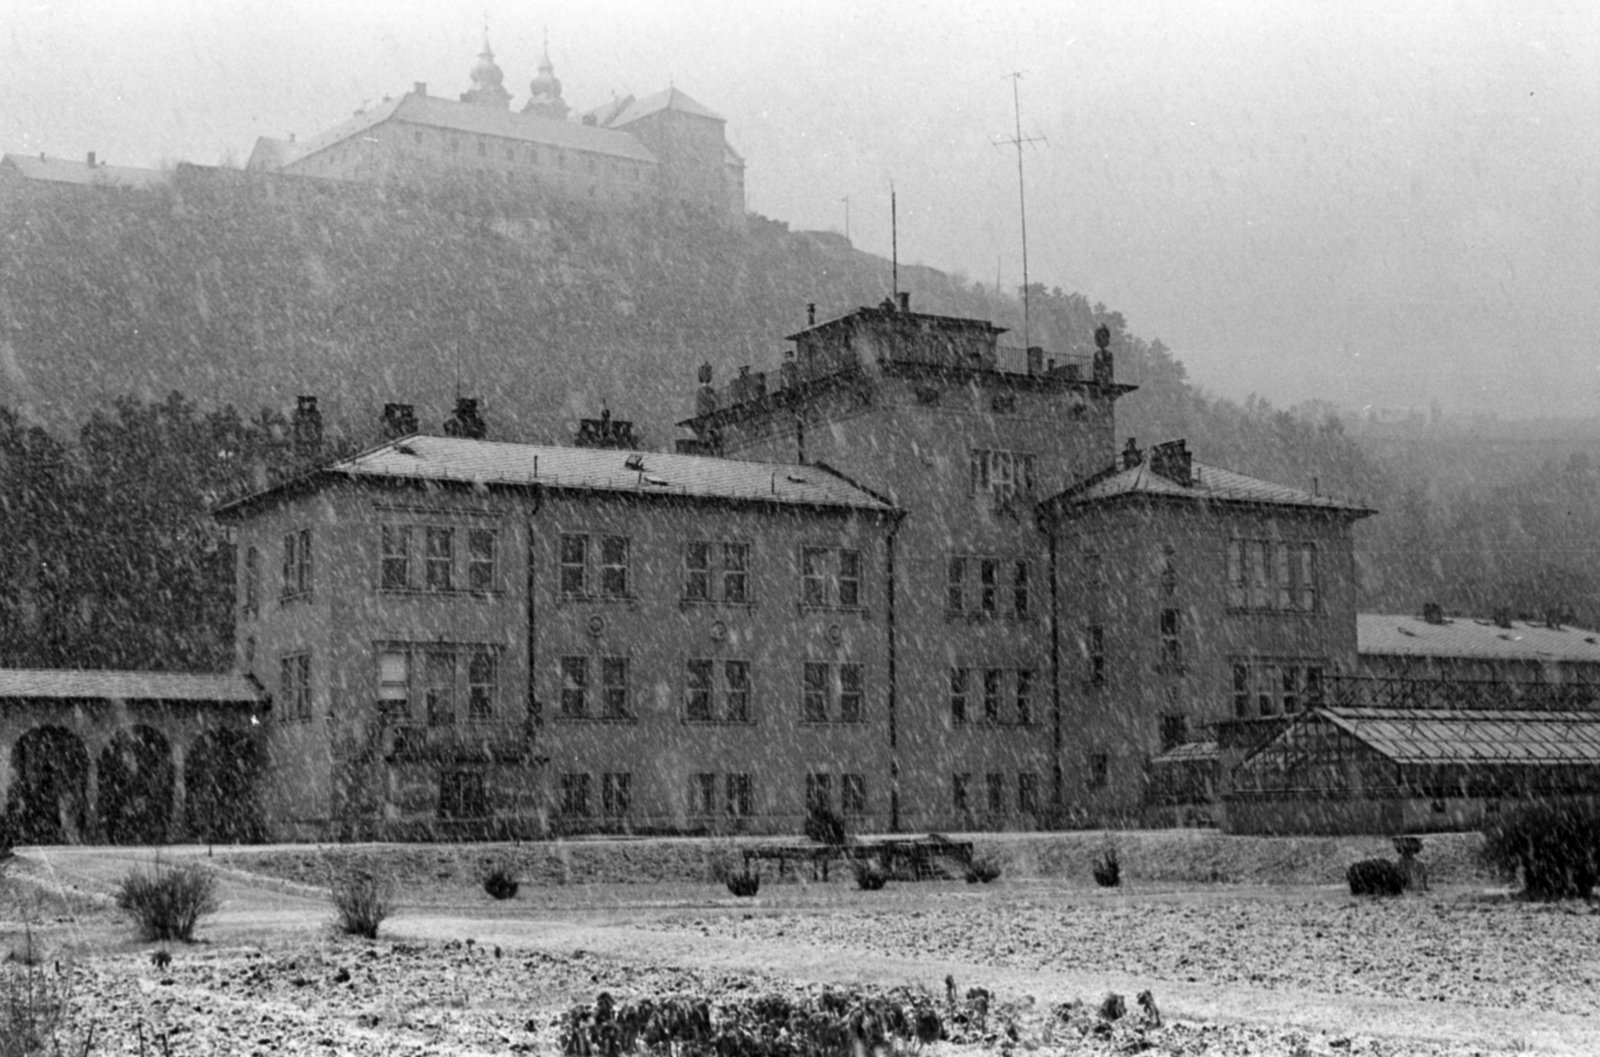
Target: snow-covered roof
[
  {"x": 1428, "y": 736},
  {"x": 479, "y": 120},
  {"x": 79, "y": 171},
  {"x": 1210, "y": 483},
  {"x": 497, "y": 463},
  {"x": 1406, "y": 636},
  {"x": 126, "y": 686},
  {"x": 669, "y": 99}
]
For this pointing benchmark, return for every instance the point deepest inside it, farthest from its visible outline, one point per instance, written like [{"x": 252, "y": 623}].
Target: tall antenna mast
[
  {"x": 894, "y": 240},
  {"x": 846, "y": 201},
  {"x": 1018, "y": 140}
]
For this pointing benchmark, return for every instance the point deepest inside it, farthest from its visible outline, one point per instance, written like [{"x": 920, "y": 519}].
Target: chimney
[
  {"x": 811, "y": 314},
  {"x": 1102, "y": 356},
  {"x": 1172, "y": 461},
  {"x": 705, "y": 399},
  {"x": 466, "y": 422},
  {"x": 420, "y": 87},
  {"x": 1432, "y": 613},
  {"x": 1552, "y": 619},
  {"x": 1131, "y": 455},
  {"x": 399, "y": 420},
  {"x": 307, "y": 430},
  {"x": 91, "y": 159},
  {"x": 788, "y": 371},
  {"x": 905, "y": 300},
  {"x": 1502, "y": 617}
]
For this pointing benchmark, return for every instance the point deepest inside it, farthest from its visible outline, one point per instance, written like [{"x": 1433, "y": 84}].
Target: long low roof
[
  {"x": 478, "y": 120},
  {"x": 496, "y": 463},
  {"x": 127, "y": 686},
  {"x": 79, "y": 171},
  {"x": 1407, "y": 636},
  {"x": 1428, "y": 736}
]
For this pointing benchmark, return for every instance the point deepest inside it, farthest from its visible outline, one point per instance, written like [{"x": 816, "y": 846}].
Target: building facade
[{"x": 663, "y": 148}]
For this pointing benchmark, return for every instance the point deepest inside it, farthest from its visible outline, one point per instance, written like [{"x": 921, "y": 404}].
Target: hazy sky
[{"x": 1366, "y": 202}]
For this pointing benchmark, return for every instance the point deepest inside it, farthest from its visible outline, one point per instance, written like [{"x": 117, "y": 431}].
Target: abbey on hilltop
[{"x": 664, "y": 148}]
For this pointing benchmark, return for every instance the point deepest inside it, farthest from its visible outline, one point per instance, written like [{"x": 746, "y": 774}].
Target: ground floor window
[
  {"x": 616, "y": 794},
  {"x": 461, "y": 795},
  {"x": 575, "y": 795}
]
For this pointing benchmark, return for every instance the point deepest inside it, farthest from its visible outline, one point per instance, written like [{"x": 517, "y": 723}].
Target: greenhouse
[{"x": 1345, "y": 770}]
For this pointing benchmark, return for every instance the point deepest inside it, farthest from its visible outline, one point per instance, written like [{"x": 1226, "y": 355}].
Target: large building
[
  {"x": 911, "y": 578},
  {"x": 664, "y": 148}
]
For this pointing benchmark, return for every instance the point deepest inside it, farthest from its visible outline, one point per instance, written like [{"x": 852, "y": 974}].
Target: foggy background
[{"x": 1370, "y": 203}]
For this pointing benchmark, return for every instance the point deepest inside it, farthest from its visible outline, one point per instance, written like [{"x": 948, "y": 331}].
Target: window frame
[
  {"x": 853, "y": 796},
  {"x": 1000, "y": 588},
  {"x": 294, "y": 686},
  {"x": 251, "y": 606},
  {"x": 460, "y": 791},
  {"x": 833, "y": 577},
  {"x": 716, "y": 572},
  {"x": 297, "y": 567},
  {"x": 575, "y": 801},
  {"x": 616, "y": 795},
  {"x": 1273, "y": 575}
]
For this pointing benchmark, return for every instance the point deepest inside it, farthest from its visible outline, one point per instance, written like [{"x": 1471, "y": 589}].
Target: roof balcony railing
[{"x": 1038, "y": 362}]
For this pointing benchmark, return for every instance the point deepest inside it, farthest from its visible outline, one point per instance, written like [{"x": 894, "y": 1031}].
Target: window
[
  {"x": 252, "y": 581},
  {"x": 706, "y": 700},
  {"x": 814, "y": 692},
  {"x": 396, "y": 570},
  {"x": 1272, "y": 575},
  {"x": 996, "y": 787},
  {"x": 482, "y": 668},
  {"x": 716, "y": 571},
  {"x": 959, "y": 792},
  {"x": 958, "y": 695},
  {"x": 480, "y": 559},
  {"x": 1094, "y": 572},
  {"x": 1024, "y": 683},
  {"x": 740, "y": 800},
  {"x": 614, "y": 567},
  {"x": 616, "y": 795},
  {"x": 614, "y": 687},
  {"x": 703, "y": 794},
  {"x": 297, "y": 564},
  {"x": 1003, "y": 476},
  {"x": 830, "y": 578},
  {"x": 440, "y": 558},
  {"x": 1000, "y": 588},
  {"x": 1028, "y": 793},
  {"x": 1171, "y": 643},
  {"x": 1174, "y": 731},
  {"x": 294, "y": 687},
  {"x": 852, "y": 795},
  {"x": 1169, "y": 569},
  {"x": 574, "y": 686},
  {"x": 439, "y": 686},
  {"x": 575, "y": 795},
  {"x": 1099, "y": 770},
  {"x": 849, "y": 693},
  {"x": 823, "y": 684},
  {"x": 461, "y": 795},
  {"x": 819, "y": 792},
  {"x": 1095, "y": 646},
  {"x": 991, "y": 694},
  {"x": 574, "y": 565},
  {"x": 1274, "y": 688}
]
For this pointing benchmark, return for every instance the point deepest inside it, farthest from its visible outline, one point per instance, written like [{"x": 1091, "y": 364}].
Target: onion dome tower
[
  {"x": 488, "y": 87},
  {"x": 545, "y": 90}
]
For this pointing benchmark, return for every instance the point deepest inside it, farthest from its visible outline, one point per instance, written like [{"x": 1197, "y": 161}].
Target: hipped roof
[
  {"x": 1207, "y": 483},
  {"x": 1407, "y": 636}
]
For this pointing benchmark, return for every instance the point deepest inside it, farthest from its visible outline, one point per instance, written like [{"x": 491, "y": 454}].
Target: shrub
[
  {"x": 363, "y": 900},
  {"x": 500, "y": 881},
  {"x": 33, "y": 1008},
  {"x": 744, "y": 885},
  {"x": 1376, "y": 877},
  {"x": 982, "y": 870},
  {"x": 168, "y": 902},
  {"x": 870, "y": 877},
  {"x": 1557, "y": 846},
  {"x": 825, "y": 826},
  {"x": 1107, "y": 870}
]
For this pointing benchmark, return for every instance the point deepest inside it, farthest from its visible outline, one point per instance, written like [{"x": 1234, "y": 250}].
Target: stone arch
[
  {"x": 136, "y": 780},
  {"x": 219, "y": 779},
  {"x": 48, "y": 802}
]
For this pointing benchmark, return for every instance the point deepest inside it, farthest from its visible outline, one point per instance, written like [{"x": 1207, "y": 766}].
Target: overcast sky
[{"x": 1373, "y": 203}]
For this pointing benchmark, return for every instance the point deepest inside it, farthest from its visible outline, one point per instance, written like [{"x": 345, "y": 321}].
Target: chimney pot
[
  {"x": 420, "y": 87},
  {"x": 466, "y": 422},
  {"x": 811, "y": 314},
  {"x": 1131, "y": 455},
  {"x": 399, "y": 420},
  {"x": 1432, "y": 613},
  {"x": 91, "y": 159},
  {"x": 905, "y": 300}
]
